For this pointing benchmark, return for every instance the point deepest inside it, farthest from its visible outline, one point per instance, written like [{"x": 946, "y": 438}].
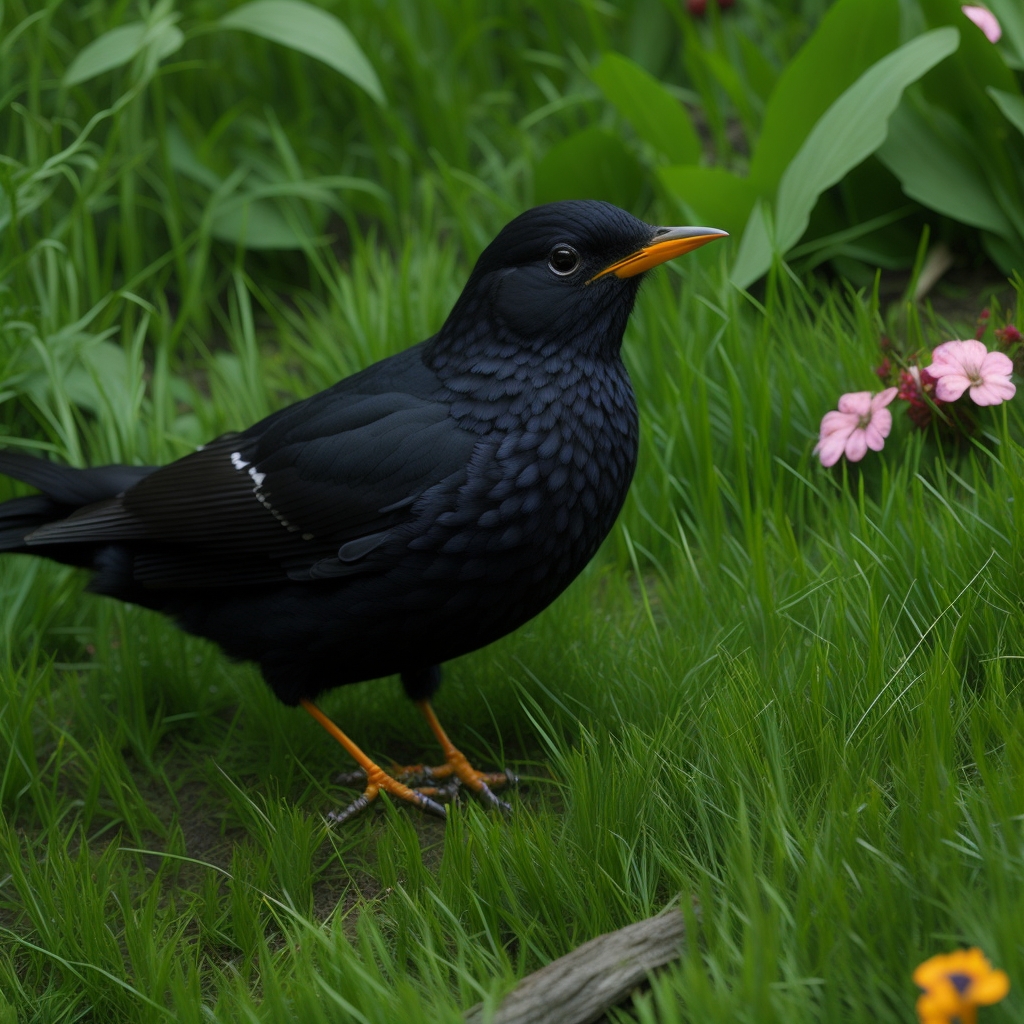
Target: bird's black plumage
[{"x": 411, "y": 513}]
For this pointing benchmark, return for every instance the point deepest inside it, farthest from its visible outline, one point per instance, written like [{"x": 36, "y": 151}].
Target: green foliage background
[{"x": 785, "y": 698}]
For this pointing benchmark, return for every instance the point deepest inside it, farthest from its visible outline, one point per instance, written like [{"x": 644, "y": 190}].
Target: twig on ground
[{"x": 578, "y": 987}]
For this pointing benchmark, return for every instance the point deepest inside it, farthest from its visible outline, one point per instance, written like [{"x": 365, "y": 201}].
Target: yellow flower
[{"x": 956, "y": 984}]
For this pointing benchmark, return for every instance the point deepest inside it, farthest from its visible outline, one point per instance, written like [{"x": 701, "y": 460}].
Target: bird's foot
[
  {"x": 418, "y": 777},
  {"x": 372, "y": 775},
  {"x": 422, "y": 789},
  {"x": 456, "y": 765},
  {"x": 459, "y": 772},
  {"x": 376, "y": 779},
  {"x": 443, "y": 782},
  {"x": 458, "y": 769}
]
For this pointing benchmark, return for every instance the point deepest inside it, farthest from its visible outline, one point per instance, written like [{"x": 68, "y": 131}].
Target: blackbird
[{"x": 411, "y": 513}]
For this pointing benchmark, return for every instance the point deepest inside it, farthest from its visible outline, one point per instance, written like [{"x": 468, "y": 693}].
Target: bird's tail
[{"x": 64, "y": 491}]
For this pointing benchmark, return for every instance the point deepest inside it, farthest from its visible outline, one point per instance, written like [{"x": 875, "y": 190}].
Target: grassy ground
[{"x": 786, "y": 698}]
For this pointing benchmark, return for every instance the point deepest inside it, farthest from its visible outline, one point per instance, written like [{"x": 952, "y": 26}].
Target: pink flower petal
[
  {"x": 944, "y": 352},
  {"x": 996, "y": 363},
  {"x": 939, "y": 370},
  {"x": 951, "y": 386},
  {"x": 992, "y": 392},
  {"x": 862, "y": 422},
  {"x": 858, "y": 402},
  {"x": 830, "y": 448},
  {"x": 882, "y": 399},
  {"x": 985, "y": 20},
  {"x": 882, "y": 422},
  {"x": 957, "y": 365},
  {"x": 857, "y": 446},
  {"x": 833, "y": 421},
  {"x": 874, "y": 438},
  {"x": 963, "y": 353}
]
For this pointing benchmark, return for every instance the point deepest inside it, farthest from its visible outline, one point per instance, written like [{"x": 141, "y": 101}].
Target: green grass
[{"x": 786, "y": 698}]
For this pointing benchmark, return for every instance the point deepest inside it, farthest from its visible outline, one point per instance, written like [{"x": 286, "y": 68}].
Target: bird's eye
[{"x": 564, "y": 259}]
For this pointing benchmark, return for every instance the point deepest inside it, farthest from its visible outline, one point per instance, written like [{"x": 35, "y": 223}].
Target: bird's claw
[
  {"x": 353, "y": 778},
  {"x": 506, "y": 777},
  {"x": 357, "y": 806},
  {"x": 423, "y": 781},
  {"x": 431, "y": 806},
  {"x": 422, "y": 800},
  {"x": 489, "y": 800},
  {"x": 445, "y": 794}
]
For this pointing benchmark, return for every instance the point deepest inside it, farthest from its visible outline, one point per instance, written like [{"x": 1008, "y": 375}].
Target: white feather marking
[
  {"x": 258, "y": 478},
  {"x": 238, "y": 462}
]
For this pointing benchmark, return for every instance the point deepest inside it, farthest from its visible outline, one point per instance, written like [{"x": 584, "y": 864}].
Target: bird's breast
[{"x": 542, "y": 489}]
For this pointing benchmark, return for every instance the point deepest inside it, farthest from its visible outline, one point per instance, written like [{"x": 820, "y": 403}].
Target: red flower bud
[{"x": 1008, "y": 335}]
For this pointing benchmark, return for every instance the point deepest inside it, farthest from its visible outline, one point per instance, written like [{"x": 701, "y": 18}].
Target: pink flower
[
  {"x": 862, "y": 422},
  {"x": 985, "y": 20},
  {"x": 959, "y": 365}
]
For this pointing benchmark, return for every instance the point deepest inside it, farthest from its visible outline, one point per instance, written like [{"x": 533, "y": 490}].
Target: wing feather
[{"x": 338, "y": 471}]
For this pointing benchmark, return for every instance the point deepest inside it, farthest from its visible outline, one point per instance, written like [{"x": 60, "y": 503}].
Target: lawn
[{"x": 785, "y": 698}]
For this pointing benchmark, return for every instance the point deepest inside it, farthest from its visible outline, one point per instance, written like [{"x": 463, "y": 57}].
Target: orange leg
[
  {"x": 376, "y": 778},
  {"x": 456, "y": 769},
  {"x": 457, "y": 765}
]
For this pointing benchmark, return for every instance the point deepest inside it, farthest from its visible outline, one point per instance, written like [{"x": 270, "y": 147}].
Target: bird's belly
[{"x": 510, "y": 541}]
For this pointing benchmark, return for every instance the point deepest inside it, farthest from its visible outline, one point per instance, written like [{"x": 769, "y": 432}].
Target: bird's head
[{"x": 566, "y": 272}]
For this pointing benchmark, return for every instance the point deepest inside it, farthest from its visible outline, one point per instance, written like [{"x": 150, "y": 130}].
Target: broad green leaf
[
  {"x": 185, "y": 162},
  {"x": 238, "y": 219},
  {"x": 756, "y": 248},
  {"x": 169, "y": 39},
  {"x": 655, "y": 114},
  {"x": 961, "y": 84},
  {"x": 761, "y": 76},
  {"x": 932, "y": 172},
  {"x": 112, "y": 50},
  {"x": 101, "y": 361},
  {"x": 1011, "y": 17},
  {"x": 961, "y": 87},
  {"x": 852, "y": 129},
  {"x": 309, "y": 30},
  {"x": 718, "y": 198},
  {"x": 852, "y": 36},
  {"x": 253, "y": 217},
  {"x": 1011, "y": 106},
  {"x": 159, "y": 38},
  {"x": 255, "y": 224},
  {"x": 1005, "y": 255},
  {"x": 592, "y": 164}
]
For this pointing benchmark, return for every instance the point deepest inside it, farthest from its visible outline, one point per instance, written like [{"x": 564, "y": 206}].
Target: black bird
[{"x": 411, "y": 513}]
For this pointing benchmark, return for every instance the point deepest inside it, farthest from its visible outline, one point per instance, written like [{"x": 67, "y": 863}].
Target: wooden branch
[{"x": 578, "y": 987}]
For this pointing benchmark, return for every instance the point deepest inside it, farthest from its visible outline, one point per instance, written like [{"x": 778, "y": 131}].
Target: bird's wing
[{"x": 305, "y": 494}]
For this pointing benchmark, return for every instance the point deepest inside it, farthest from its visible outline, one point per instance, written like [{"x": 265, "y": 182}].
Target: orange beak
[{"x": 667, "y": 244}]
